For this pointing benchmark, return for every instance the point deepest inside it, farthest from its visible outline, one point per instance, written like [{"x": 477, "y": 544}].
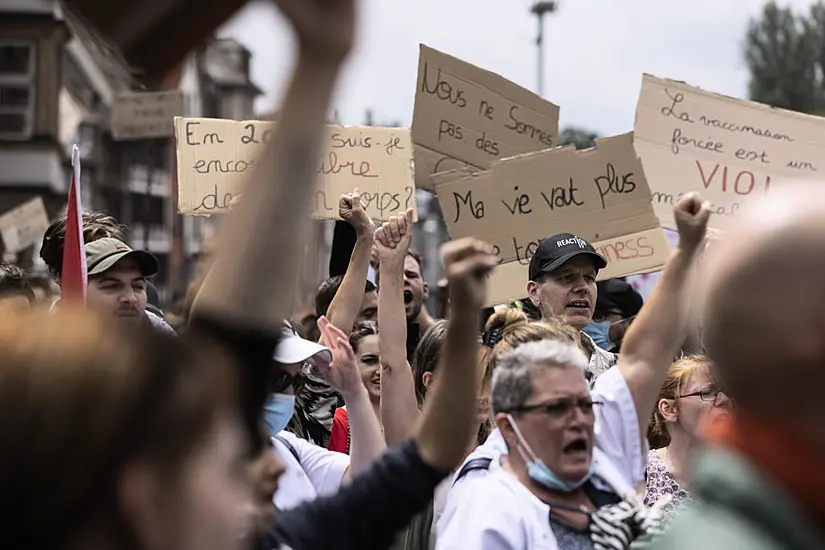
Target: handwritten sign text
[
  {"x": 599, "y": 194},
  {"x": 215, "y": 157},
  {"x": 466, "y": 116},
  {"x": 727, "y": 149}
]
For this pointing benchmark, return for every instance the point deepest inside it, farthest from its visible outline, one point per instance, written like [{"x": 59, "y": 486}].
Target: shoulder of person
[
  {"x": 483, "y": 459},
  {"x": 493, "y": 511}
]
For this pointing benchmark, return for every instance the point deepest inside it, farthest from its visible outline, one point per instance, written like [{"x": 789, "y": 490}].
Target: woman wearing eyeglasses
[
  {"x": 312, "y": 471},
  {"x": 564, "y": 463},
  {"x": 688, "y": 402}
]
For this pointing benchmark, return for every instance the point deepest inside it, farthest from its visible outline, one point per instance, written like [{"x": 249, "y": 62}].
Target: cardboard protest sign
[
  {"x": 215, "y": 157},
  {"x": 727, "y": 149},
  {"x": 24, "y": 225},
  {"x": 145, "y": 115},
  {"x": 466, "y": 116},
  {"x": 599, "y": 194}
]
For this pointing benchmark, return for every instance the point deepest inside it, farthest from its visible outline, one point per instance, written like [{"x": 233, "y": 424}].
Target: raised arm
[
  {"x": 345, "y": 305},
  {"x": 658, "y": 332},
  {"x": 402, "y": 481},
  {"x": 399, "y": 407},
  {"x": 367, "y": 440},
  {"x": 448, "y": 419},
  {"x": 251, "y": 281},
  {"x": 250, "y": 286}
]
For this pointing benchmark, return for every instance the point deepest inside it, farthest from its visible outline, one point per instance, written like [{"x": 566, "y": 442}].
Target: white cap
[{"x": 293, "y": 349}]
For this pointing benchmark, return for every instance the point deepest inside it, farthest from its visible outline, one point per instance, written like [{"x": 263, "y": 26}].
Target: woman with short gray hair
[{"x": 568, "y": 453}]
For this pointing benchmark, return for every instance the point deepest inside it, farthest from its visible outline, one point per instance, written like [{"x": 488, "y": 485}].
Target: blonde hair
[
  {"x": 81, "y": 399},
  {"x": 677, "y": 377},
  {"x": 511, "y": 328},
  {"x": 507, "y": 329}
]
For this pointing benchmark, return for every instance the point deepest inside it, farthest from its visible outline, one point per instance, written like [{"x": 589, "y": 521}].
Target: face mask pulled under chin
[
  {"x": 278, "y": 411},
  {"x": 540, "y": 472},
  {"x": 599, "y": 332}
]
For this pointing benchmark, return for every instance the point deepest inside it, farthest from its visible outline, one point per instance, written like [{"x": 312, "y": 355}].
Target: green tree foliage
[
  {"x": 785, "y": 55},
  {"x": 580, "y": 137}
]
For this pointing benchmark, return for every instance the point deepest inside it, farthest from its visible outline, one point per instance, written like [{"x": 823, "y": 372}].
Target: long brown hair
[
  {"x": 677, "y": 376},
  {"x": 81, "y": 399}
]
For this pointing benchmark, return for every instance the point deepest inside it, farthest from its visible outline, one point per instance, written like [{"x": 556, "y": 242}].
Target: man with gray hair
[{"x": 761, "y": 482}]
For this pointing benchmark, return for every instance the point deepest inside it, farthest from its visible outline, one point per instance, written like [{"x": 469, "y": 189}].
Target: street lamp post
[{"x": 539, "y": 9}]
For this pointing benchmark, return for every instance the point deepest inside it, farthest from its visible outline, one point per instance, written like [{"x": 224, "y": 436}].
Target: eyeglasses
[
  {"x": 282, "y": 380},
  {"x": 561, "y": 408},
  {"x": 709, "y": 395}
]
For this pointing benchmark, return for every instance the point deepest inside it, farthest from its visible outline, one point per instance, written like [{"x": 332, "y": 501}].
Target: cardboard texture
[
  {"x": 145, "y": 115},
  {"x": 467, "y": 117},
  {"x": 216, "y": 156},
  {"x": 24, "y": 225},
  {"x": 727, "y": 149},
  {"x": 599, "y": 194}
]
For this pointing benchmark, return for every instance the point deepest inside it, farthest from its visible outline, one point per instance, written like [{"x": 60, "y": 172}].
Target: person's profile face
[
  {"x": 208, "y": 503},
  {"x": 119, "y": 291},
  {"x": 263, "y": 472},
  {"x": 216, "y": 492}
]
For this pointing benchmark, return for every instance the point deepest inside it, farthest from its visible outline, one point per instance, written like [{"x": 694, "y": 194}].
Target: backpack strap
[
  {"x": 289, "y": 446},
  {"x": 473, "y": 464}
]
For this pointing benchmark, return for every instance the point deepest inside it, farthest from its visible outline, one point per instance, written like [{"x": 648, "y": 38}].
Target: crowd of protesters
[{"x": 578, "y": 418}]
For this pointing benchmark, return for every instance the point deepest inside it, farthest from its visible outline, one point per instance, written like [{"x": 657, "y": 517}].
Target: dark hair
[
  {"x": 96, "y": 225},
  {"x": 414, "y": 254},
  {"x": 426, "y": 357},
  {"x": 327, "y": 291},
  {"x": 13, "y": 281},
  {"x": 361, "y": 330},
  {"x": 119, "y": 395}
]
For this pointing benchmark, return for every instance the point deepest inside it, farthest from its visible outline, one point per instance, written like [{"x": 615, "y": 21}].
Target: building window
[{"x": 17, "y": 77}]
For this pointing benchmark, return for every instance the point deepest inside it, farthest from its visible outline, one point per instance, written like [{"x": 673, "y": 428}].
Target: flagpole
[{"x": 74, "y": 269}]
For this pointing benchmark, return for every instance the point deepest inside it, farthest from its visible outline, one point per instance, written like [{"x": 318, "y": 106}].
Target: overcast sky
[{"x": 596, "y": 51}]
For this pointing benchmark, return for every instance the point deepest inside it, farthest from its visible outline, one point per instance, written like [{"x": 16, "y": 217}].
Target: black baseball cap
[{"x": 554, "y": 251}]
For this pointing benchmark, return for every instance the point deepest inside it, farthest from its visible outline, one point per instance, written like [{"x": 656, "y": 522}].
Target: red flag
[{"x": 73, "y": 278}]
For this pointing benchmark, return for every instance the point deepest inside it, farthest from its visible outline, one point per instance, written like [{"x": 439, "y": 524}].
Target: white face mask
[{"x": 278, "y": 410}]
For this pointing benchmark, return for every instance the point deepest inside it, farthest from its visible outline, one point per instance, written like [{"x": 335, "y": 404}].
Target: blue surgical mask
[
  {"x": 541, "y": 473},
  {"x": 598, "y": 331},
  {"x": 278, "y": 411}
]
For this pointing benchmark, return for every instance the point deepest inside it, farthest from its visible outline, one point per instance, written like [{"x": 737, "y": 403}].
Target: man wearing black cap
[{"x": 563, "y": 286}]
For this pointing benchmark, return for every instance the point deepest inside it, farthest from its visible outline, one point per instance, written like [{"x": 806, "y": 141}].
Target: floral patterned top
[{"x": 661, "y": 482}]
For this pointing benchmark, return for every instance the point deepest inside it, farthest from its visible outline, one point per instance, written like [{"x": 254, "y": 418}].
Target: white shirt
[
  {"x": 491, "y": 510},
  {"x": 318, "y": 473}
]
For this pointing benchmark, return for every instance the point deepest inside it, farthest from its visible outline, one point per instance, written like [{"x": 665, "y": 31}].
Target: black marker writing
[
  {"x": 679, "y": 140},
  {"x": 520, "y": 204},
  {"x": 671, "y": 110},
  {"x": 523, "y": 128},
  {"x": 476, "y": 208},
  {"x": 559, "y": 197},
  {"x": 442, "y": 89},
  {"x": 611, "y": 183}
]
